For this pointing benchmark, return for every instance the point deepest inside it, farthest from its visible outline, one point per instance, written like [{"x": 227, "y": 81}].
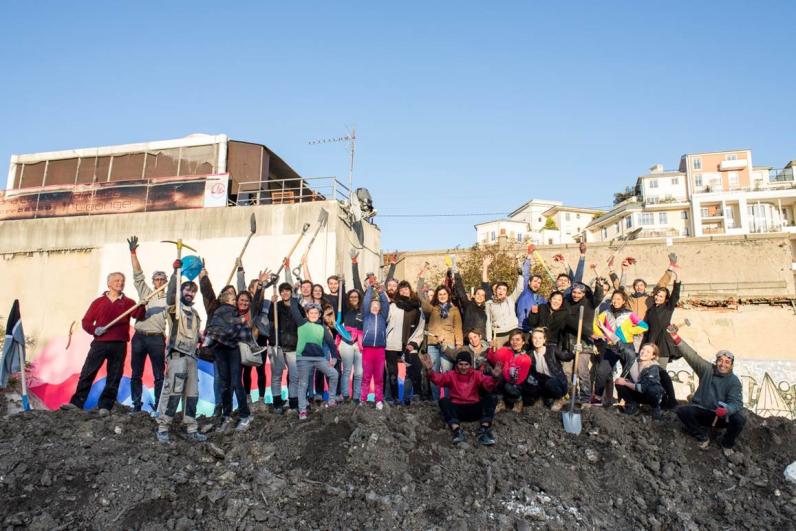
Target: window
[
  {"x": 540, "y": 220},
  {"x": 629, "y": 222},
  {"x": 617, "y": 227},
  {"x": 686, "y": 232},
  {"x": 732, "y": 178},
  {"x": 653, "y": 183},
  {"x": 605, "y": 233},
  {"x": 731, "y": 156},
  {"x": 519, "y": 236},
  {"x": 684, "y": 214},
  {"x": 704, "y": 212},
  {"x": 675, "y": 181},
  {"x": 577, "y": 216},
  {"x": 647, "y": 218},
  {"x": 549, "y": 241},
  {"x": 566, "y": 216},
  {"x": 697, "y": 163},
  {"x": 663, "y": 218},
  {"x": 698, "y": 180},
  {"x": 493, "y": 236}
]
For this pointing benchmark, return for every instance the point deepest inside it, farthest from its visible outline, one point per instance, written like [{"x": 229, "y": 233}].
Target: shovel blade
[
  {"x": 323, "y": 217},
  {"x": 572, "y": 422},
  {"x": 253, "y": 223}
]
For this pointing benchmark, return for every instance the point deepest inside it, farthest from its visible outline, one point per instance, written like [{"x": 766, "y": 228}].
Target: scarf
[
  {"x": 444, "y": 309},
  {"x": 406, "y": 303}
]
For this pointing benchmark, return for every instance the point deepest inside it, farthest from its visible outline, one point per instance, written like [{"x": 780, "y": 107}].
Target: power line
[{"x": 468, "y": 214}]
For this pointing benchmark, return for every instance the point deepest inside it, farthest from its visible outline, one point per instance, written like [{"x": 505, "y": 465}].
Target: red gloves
[
  {"x": 177, "y": 264},
  {"x": 721, "y": 412},
  {"x": 673, "y": 332}
]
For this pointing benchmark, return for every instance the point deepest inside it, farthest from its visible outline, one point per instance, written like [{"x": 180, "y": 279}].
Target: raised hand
[
  {"x": 394, "y": 258},
  {"x": 354, "y": 255},
  {"x": 497, "y": 370},
  {"x": 488, "y": 260},
  {"x": 582, "y": 247},
  {"x": 425, "y": 359},
  {"x": 132, "y": 243}
]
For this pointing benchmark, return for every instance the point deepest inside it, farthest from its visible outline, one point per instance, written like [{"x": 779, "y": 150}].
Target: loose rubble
[{"x": 355, "y": 468}]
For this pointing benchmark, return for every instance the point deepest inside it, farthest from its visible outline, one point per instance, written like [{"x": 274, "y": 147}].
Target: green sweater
[{"x": 713, "y": 387}]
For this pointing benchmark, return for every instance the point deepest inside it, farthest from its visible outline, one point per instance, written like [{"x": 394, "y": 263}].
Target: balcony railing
[{"x": 289, "y": 191}]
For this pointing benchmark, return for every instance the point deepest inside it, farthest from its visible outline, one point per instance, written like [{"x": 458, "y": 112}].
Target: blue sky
[{"x": 460, "y": 107}]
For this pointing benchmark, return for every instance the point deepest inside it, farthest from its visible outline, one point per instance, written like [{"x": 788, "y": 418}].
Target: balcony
[{"x": 728, "y": 165}]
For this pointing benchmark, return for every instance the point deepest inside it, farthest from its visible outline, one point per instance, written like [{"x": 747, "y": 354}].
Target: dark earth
[{"x": 355, "y": 468}]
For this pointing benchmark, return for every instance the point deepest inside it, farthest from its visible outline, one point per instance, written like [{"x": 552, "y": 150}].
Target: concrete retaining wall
[{"x": 55, "y": 267}]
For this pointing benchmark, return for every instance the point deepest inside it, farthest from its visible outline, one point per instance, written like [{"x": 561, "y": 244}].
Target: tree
[
  {"x": 505, "y": 268},
  {"x": 550, "y": 224}
]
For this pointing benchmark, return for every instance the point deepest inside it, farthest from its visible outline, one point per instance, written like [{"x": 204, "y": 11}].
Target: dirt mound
[{"x": 354, "y": 468}]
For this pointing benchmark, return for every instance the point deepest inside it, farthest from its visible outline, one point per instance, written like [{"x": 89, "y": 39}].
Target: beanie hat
[
  {"x": 464, "y": 355},
  {"x": 726, "y": 353}
]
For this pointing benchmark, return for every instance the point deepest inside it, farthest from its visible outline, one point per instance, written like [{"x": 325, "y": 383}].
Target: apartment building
[
  {"x": 539, "y": 221},
  {"x": 709, "y": 194}
]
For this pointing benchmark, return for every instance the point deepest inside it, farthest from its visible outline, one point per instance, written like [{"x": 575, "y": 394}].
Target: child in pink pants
[{"x": 374, "y": 342}]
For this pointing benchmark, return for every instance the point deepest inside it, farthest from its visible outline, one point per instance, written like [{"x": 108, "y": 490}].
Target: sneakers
[
  {"x": 69, "y": 406},
  {"x": 303, "y": 415},
  {"x": 558, "y": 405},
  {"x": 243, "y": 424},
  {"x": 163, "y": 437},
  {"x": 226, "y": 425},
  {"x": 630, "y": 408},
  {"x": 518, "y": 407},
  {"x": 458, "y": 436},
  {"x": 217, "y": 411},
  {"x": 703, "y": 445},
  {"x": 331, "y": 403},
  {"x": 548, "y": 402},
  {"x": 501, "y": 406},
  {"x": 379, "y": 405},
  {"x": 103, "y": 412},
  {"x": 485, "y": 436},
  {"x": 196, "y": 437},
  {"x": 595, "y": 401}
]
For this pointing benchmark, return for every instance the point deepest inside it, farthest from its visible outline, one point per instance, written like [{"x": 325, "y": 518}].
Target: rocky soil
[{"x": 355, "y": 468}]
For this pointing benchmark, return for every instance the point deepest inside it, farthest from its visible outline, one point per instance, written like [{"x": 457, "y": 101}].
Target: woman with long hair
[
  {"x": 616, "y": 327},
  {"x": 551, "y": 316},
  {"x": 444, "y": 330},
  {"x": 404, "y": 336},
  {"x": 659, "y": 317},
  {"x": 351, "y": 352}
]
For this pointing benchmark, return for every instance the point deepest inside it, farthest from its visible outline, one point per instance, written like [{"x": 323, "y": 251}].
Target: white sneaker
[
  {"x": 379, "y": 405},
  {"x": 243, "y": 424}
]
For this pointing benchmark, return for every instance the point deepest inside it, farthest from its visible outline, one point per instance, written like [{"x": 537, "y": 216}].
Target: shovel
[
  {"x": 304, "y": 230},
  {"x": 572, "y": 421},
  {"x": 253, "y": 223},
  {"x": 323, "y": 217}
]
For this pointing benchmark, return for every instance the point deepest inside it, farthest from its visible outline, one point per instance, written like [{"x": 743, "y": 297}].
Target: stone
[{"x": 46, "y": 478}]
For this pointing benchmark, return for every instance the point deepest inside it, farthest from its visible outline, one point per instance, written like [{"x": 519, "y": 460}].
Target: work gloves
[{"x": 132, "y": 242}]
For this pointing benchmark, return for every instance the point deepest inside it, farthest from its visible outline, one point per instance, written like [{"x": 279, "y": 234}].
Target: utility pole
[{"x": 351, "y": 138}]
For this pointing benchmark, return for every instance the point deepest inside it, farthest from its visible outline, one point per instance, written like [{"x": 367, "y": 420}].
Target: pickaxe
[
  {"x": 178, "y": 273},
  {"x": 253, "y": 229}
]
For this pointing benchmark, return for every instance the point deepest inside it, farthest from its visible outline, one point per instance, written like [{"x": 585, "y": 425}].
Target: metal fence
[{"x": 288, "y": 191}]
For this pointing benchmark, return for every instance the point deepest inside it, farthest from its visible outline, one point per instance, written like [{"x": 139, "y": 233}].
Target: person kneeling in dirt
[
  {"x": 717, "y": 402},
  {"x": 643, "y": 382},
  {"x": 468, "y": 396},
  {"x": 516, "y": 363},
  {"x": 547, "y": 379},
  {"x": 182, "y": 375}
]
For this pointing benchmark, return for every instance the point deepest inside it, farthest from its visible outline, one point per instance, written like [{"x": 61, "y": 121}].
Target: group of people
[{"x": 499, "y": 347}]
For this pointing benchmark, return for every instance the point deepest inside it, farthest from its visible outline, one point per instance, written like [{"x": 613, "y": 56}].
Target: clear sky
[{"x": 460, "y": 107}]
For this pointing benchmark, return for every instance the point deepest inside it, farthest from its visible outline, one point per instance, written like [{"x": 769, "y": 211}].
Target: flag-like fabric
[{"x": 14, "y": 341}]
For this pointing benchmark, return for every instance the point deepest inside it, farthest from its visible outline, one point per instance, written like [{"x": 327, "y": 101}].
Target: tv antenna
[{"x": 351, "y": 138}]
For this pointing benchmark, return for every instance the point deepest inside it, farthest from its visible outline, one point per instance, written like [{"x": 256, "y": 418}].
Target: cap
[
  {"x": 726, "y": 353},
  {"x": 159, "y": 274}
]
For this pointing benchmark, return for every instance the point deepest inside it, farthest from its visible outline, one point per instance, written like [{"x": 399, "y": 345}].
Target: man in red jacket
[
  {"x": 110, "y": 344},
  {"x": 516, "y": 363},
  {"x": 468, "y": 396}
]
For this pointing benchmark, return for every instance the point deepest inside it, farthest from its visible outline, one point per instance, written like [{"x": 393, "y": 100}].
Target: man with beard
[
  {"x": 531, "y": 298},
  {"x": 182, "y": 375},
  {"x": 582, "y": 295}
]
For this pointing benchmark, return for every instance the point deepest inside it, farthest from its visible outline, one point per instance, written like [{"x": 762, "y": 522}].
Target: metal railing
[{"x": 288, "y": 191}]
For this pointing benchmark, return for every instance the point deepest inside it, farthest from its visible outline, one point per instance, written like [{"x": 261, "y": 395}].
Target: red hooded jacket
[
  {"x": 516, "y": 366},
  {"x": 463, "y": 388}
]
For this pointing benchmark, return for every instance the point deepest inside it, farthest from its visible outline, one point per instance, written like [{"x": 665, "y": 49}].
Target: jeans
[
  {"x": 305, "y": 365},
  {"x": 216, "y": 383},
  {"x": 100, "y": 351},
  {"x": 280, "y": 362},
  {"x": 373, "y": 369},
  {"x": 413, "y": 383},
  {"x": 440, "y": 364},
  {"x": 247, "y": 381},
  {"x": 652, "y": 395},
  {"x": 391, "y": 365},
  {"x": 546, "y": 387},
  {"x": 483, "y": 411},
  {"x": 697, "y": 420},
  {"x": 352, "y": 362},
  {"x": 229, "y": 366},
  {"x": 141, "y": 347}
]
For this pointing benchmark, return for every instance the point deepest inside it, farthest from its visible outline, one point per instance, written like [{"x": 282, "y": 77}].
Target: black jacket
[
  {"x": 658, "y": 318},
  {"x": 590, "y": 301},
  {"x": 473, "y": 315},
  {"x": 225, "y": 325},
  {"x": 288, "y": 329},
  {"x": 553, "y": 356},
  {"x": 555, "y": 323}
]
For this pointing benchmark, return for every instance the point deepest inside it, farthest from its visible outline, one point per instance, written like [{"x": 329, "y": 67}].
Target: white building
[{"x": 540, "y": 221}]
